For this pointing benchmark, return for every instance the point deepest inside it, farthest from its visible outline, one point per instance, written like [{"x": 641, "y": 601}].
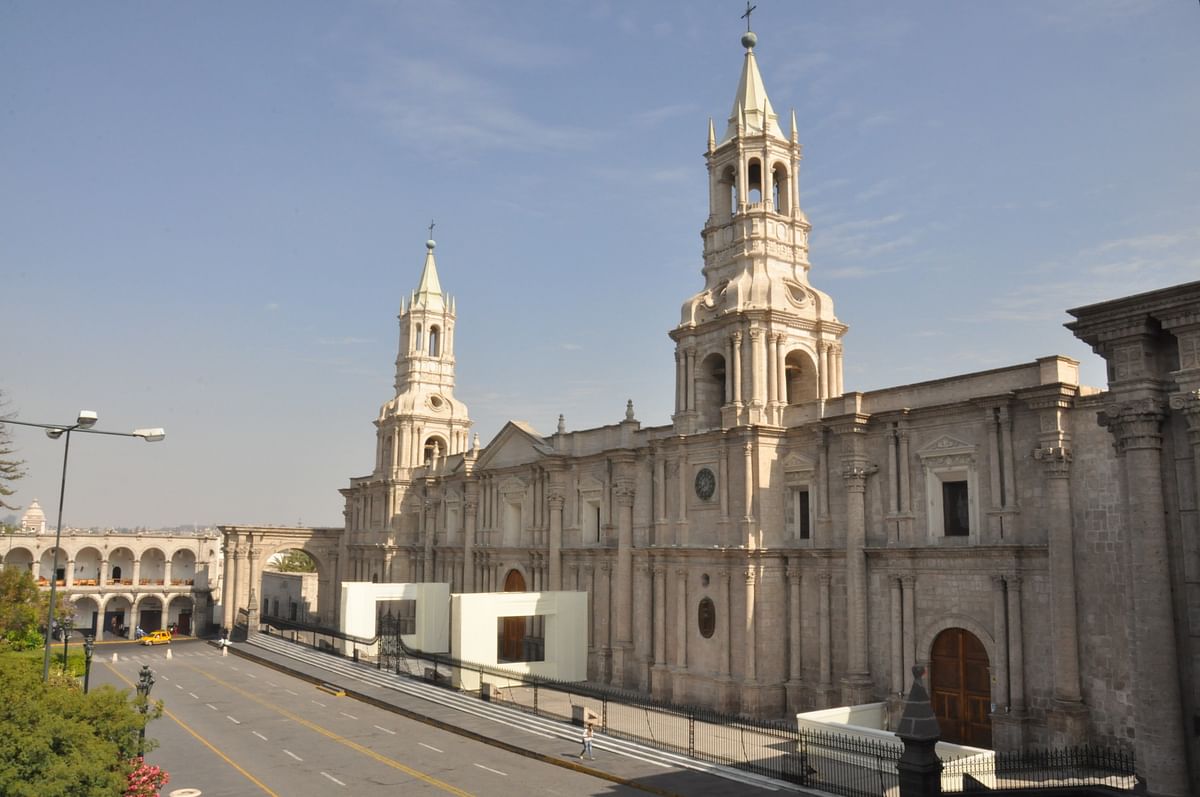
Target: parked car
[{"x": 157, "y": 638}]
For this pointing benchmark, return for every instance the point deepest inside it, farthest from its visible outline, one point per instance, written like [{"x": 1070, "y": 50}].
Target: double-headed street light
[
  {"x": 145, "y": 682},
  {"x": 84, "y": 423}
]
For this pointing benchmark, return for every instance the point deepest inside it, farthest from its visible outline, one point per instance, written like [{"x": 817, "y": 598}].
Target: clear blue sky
[{"x": 209, "y": 212}]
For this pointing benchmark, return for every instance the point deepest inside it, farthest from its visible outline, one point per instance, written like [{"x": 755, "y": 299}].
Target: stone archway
[{"x": 960, "y": 687}]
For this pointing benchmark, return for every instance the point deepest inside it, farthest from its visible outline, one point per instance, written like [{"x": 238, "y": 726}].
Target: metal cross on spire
[
  {"x": 749, "y": 10},
  {"x": 431, "y": 228}
]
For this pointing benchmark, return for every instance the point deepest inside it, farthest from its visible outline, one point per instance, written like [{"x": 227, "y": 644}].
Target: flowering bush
[{"x": 145, "y": 780}]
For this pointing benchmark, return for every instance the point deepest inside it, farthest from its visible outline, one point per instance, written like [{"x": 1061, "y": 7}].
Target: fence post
[
  {"x": 691, "y": 734},
  {"x": 535, "y": 699},
  {"x": 604, "y": 719},
  {"x": 919, "y": 768}
]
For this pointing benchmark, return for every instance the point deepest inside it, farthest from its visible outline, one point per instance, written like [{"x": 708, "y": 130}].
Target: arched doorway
[
  {"x": 960, "y": 688},
  {"x": 512, "y": 635}
]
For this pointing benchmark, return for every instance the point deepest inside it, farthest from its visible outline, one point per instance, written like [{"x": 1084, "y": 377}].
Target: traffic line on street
[
  {"x": 293, "y": 755},
  {"x": 351, "y": 716},
  {"x": 290, "y": 692},
  {"x": 430, "y": 747},
  {"x": 178, "y": 686},
  {"x": 231, "y": 719},
  {"x": 259, "y": 735},
  {"x": 319, "y": 703},
  {"x": 210, "y": 705},
  {"x": 386, "y": 730},
  {"x": 167, "y": 713},
  {"x": 489, "y": 769},
  {"x": 353, "y": 745},
  {"x": 193, "y": 695},
  {"x": 331, "y": 777}
]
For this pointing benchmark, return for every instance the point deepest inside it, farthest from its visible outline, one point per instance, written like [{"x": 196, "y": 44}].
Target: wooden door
[
  {"x": 513, "y": 635},
  {"x": 960, "y": 688}
]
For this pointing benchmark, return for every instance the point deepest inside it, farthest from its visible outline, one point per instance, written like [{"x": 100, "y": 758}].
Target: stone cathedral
[{"x": 785, "y": 544}]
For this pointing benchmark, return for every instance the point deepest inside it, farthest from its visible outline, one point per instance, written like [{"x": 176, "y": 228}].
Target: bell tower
[
  {"x": 758, "y": 338},
  {"x": 424, "y": 423}
]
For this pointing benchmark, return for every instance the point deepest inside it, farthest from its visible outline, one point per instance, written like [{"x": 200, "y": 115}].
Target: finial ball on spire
[
  {"x": 749, "y": 40},
  {"x": 430, "y": 244}
]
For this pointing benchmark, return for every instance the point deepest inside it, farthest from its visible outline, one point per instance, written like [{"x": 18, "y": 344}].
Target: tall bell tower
[
  {"x": 759, "y": 338},
  {"x": 424, "y": 423}
]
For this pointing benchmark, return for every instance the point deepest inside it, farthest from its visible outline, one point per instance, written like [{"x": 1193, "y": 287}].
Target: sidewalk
[{"x": 643, "y": 774}]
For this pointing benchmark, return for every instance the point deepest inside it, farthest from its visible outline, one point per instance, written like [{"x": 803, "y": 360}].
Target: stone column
[
  {"x": 751, "y": 640},
  {"x": 1068, "y": 715},
  {"x": 756, "y": 369},
  {"x": 857, "y": 685},
  {"x": 840, "y": 380},
  {"x": 823, "y": 370},
  {"x": 681, "y": 530},
  {"x": 795, "y": 682},
  {"x": 659, "y": 632},
  {"x": 727, "y": 626},
  {"x": 826, "y": 641},
  {"x": 729, "y": 375},
  {"x": 604, "y": 613},
  {"x": 897, "y": 635},
  {"x": 908, "y": 585},
  {"x": 103, "y": 578},
  {"x": 748, "y": 367},
  {"x": 781, "y": 366},
  {"x": 1000, "y": 632},
  {"x": 642, "y": 641},
  {"x": 1016, "y": 660},
  {"x": 737, "y": 368},
  {"x": 680, "y": 382},
  {"x": 772, "y": 369},
  {"x": 681, "y": 619},
  {"x": 137, "y": 572},
  {"x": 623, "y": 599},
  {"x": 691, "y": 378},
  {"x": 556, "y": 501},
  {"x": 905, "y": 495},
  {"x": 1158, "y": 709}
]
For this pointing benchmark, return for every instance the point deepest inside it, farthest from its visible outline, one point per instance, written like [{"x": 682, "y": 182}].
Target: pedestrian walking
[{"x": 587, "y": 742}]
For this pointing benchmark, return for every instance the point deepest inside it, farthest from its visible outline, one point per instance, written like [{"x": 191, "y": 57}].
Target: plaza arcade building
[
  {"x": 116, "y": 581},
  {"x": 785, "y": 543}
]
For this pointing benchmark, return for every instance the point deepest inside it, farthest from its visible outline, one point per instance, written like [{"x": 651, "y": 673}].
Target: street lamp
[
  {"x": 84, "y": 423},
  {"x": 145, "y": 681},
  {"x": 89, "y": 645}
]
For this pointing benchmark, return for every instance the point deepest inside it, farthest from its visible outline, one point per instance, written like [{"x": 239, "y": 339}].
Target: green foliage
[
  {"x": 56, "y": 741},
  {"x": 10, "y": 469},
  {"x": 296, "y": 561},
  {"x": 22, "y": 609}
]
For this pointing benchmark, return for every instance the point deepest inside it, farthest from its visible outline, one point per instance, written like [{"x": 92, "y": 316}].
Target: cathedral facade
[{"x": 784, "y": 544}]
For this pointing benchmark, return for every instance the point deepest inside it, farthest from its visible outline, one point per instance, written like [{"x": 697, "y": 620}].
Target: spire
[
  {"x": 428, "y": 295},
  {"x": 751, "y": 101},
  {"x": 712, "y": 135}
]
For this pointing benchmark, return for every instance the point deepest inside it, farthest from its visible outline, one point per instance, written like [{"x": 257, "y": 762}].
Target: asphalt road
[{"x": 234, "y": 728}]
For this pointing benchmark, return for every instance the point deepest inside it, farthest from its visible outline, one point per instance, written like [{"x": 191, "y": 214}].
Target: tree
[
  {"x": 22, "y": 609},
  {"x": 56, "y": 741},
  {"x": 296, "y": 561},
  {"x": 10, "y": 469}
]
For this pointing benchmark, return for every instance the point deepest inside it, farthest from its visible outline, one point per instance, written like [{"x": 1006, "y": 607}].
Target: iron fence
[
  {"x": 851, "y": 766},
  {"x": 1041, "y": 769}
]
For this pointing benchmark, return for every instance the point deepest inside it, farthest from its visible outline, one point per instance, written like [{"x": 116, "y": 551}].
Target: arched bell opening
[
  {"x": 801, "y": 376},
  {"x": 710, "y": 390}
]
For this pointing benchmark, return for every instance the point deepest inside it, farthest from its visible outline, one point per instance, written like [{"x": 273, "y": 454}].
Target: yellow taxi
[{"x": 157, "y": 638}]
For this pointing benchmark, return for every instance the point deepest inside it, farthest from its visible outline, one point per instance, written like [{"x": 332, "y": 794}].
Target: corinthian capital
[
  {"x": 1056, "y": 460},
  {"x": 1134, "y": 424}
]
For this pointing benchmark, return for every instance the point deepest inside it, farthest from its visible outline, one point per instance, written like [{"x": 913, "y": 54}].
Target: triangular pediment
[
  {"x": 946, "y": 445},
  {"x": 798, "y": 461},
  {"x": 517, "y": 443}
]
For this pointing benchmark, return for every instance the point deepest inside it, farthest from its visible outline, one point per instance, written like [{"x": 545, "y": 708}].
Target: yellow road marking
[
  {"x": 202, "y": 740},
  {"x": 391, "y": 762}
]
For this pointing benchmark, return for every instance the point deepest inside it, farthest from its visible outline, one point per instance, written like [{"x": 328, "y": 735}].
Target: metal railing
[
  {"x": 833, "y": 762},
  {"x": 1041, "y": 769}
]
